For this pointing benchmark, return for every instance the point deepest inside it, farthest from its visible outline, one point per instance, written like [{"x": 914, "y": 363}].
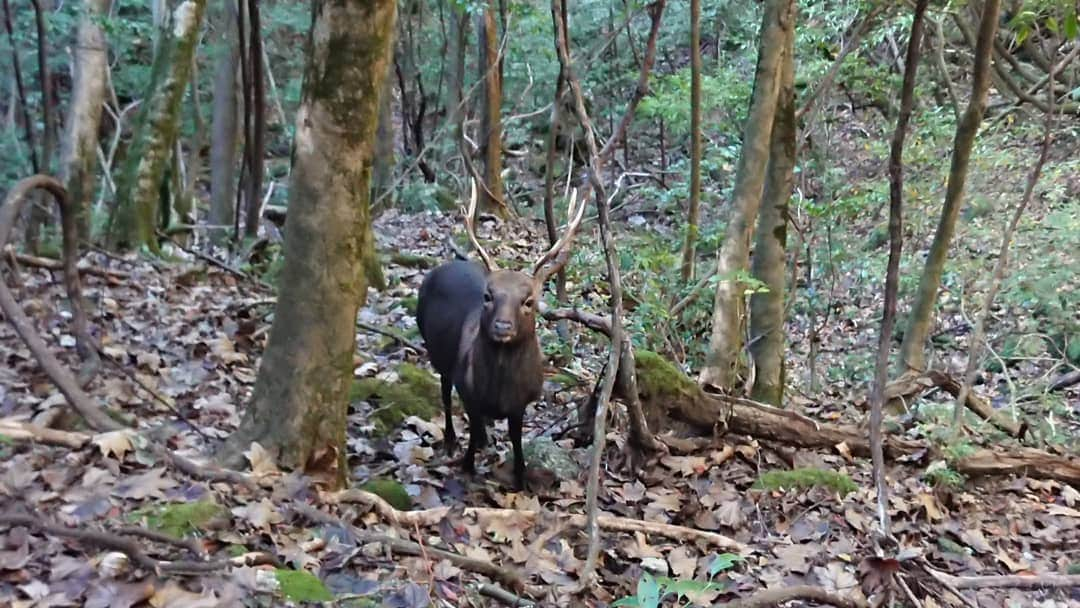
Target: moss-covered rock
[
  {"x": 805, "y": 479},
  {"x": 179, "y": 519},
  {"x": 416, "y": 393},
  {"x": 545, "y": 453},
  {"x": 302, "y": 586},
  {"x": 390, "y": 491}
]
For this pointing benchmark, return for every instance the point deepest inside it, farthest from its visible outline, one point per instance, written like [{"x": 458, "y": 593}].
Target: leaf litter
[{"x": 192, "y": 343}]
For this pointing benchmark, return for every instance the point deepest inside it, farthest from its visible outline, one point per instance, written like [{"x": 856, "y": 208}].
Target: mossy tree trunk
[
  {"x": 690, "y": 246},
  {"x": 78, "y": 152},
  {"x": 298, "y": 408},
  {"x": 725, "y": 341},
  {"x": 224, "y": 132},
  {"x": 491, "y": 197},
  {"x": 913, "y": 349},
  {"x": 767, "y": 309},
  {"x": 158, "y": 125}
]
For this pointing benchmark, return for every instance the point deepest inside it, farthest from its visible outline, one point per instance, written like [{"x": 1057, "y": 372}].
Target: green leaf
[
  {"x": 1071, "y": 27},
  {"x": 1052, "y": 24},
  {"x": 724, "y": 561},
  {"x": 648, "y": 591}
]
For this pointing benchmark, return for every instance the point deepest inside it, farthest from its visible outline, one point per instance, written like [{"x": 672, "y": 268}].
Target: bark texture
[
  {"x": 767, "y": 309},
  {"x": 224, "y": 130},
  {"x": 78, "y": 151},
  {"x": 159, "y": 117},
  {"x": 725, "y": 341},
  {"x": 922, "y": 314},
  {"x": 690, "y": 246},
  {"x": 299, "y": 403},
  {"x": 491, "y": 196}
]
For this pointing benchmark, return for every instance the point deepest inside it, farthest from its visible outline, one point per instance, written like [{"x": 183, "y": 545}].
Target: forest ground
[{"x": 193, "y": 333}]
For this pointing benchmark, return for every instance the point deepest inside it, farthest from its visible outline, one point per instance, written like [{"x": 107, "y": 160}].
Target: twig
[
  {"x": 1014, "y": 581},
  {"x": 51, "y": 264},
  {"x": 778, "y": 596},
  {"x": 689, "y": 298},
  {"x": 506, "y": 576},
  {"x": 429, "y": 517},
  {"x": 216, "y": 262},
  {"x": 188, "y": 544},
  {"x": 394, "y": 335},
  {"x": 108, "y": 540},
  {"x": 504, "y": 596},
  {"x": 16, "y": 429}
]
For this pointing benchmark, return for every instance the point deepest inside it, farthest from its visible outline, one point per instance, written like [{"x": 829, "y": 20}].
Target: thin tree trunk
[
  {"x": 159, "y": 120},
  {"x": 892, "y": 272},
  {"x": 455, "y": 112},
  {"x": 725, "y": 341},
  {"x": 922, "y": 314},
  {"x": 690, "y": 246},
  {"x": 492, "y": 198},
  {"x": 549, "y": 186},
  {"x": 78, "y": 150},
  {"x": 224, "y": 130},
  {"x": 979, "y": 336},
  {"x": 383, "y": 164},
  {"x": 943, "y": 68},
  {"x": 39, "y": 212},
  {"x": 297, "y": 411},
  {"x": 256, "y": 137},
  {"x": 767, "y": 309}
]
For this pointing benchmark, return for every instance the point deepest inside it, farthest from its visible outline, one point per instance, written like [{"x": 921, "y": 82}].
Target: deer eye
[
  {"x": 487, "y": 297},
  {"x": 528, "y": 303}
]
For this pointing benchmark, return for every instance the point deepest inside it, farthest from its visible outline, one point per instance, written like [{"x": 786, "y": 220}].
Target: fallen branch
[
  {"x": 778, "y": 596},
  {"x": 912, "y": 384},
  {"x": 51, "y": 264},
  {"x": 389, "y": 333},
  {"x": 1065, "y": 381},
  {"x": 1021, "y": 461},
  {"x": 507, "y": 576},
  {"x": 431, "y": 517},
  {"x": 18, "y": 430},
  {"x": 108, "y": 540},
  {"x": 1014, "y": 581}
]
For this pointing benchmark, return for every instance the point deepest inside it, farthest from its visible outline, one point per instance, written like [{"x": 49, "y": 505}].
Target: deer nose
[{"x": 502, "y": 326}]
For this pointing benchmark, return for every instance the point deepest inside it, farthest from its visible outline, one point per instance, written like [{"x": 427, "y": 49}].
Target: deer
[{"x": 478, "y": 323}]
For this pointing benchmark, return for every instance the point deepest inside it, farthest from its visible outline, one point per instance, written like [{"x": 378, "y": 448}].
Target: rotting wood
[{"x": 20, "y": 431}]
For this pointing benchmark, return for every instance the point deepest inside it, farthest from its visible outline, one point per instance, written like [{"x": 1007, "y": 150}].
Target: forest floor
[{"x": 185, "y": 338}]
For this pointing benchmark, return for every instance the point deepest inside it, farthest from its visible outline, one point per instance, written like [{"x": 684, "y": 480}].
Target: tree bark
[
  {"x": 459, "y": 37},
  {"x": 298, "y": 407},
  {"x": 491, "y": 197},
  {"x": 690, "y": 246},
  {"x": 382, "y": 175},
  {"x": 725, "y": 341},
  {"x": 159, "y": 117},
  {"x": 255, "y": 139},
  {"x": 225, "y": 128},
  {"x": 922, "y": 314},
  {"x": 78, "y": 150},
  {"x": 767, "y": 309}
]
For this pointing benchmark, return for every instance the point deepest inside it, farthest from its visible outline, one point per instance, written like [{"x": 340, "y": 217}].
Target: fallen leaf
[
  {"x": 682, "y": 563},
  {"x": 151, "y": 483},
  {"x": 114, "y": 444}
]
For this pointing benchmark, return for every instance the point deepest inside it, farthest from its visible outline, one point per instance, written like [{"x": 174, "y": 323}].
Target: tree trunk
[
  {"x": 298, "y": 407},
  {"x": 690, "y": 246},
  {"x": 255, "y": 139},
  {"x": 459, "y": 28},
  {"x": 159, "y": 117},
  {"x": 725, "y": 341},
  {"x": 767, "y": 309},
  {"x": 491, "y": 196},
  {"x": 921, "y": 318},
  {"x": 224, "y": 132},
  {"x": 78, "y": 151},
  {"x": 39, "y": 215}
]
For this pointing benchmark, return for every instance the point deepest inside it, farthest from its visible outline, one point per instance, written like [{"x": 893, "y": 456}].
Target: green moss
[
  {"x": 416, "y": 393},
  {"x": 657, "y": 377},
  {"x": 390, "y": 491},
  {"x": 179, "y": 519},
  {"x": 806, "y": 478},
  {"x": 1073, "y": 569},
  {"x": 409, "y": 302},
  {"x": 302, "y": 586},
  {"x": 412, "y": 260}
]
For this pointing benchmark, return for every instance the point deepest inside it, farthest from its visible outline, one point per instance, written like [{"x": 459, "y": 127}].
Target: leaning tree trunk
[
  {"x": 224, "y": 130},
  {"x": 297, "y": 411},
  {"x": 690, "y": 246},
  {"x": 767, "y": 309},
  {"x": 491, "y": 198},
  {"x": 913, "y": 352},
  {"x": 78, "y": 150},
  {"x": 159, "y": 118},
  {"x": 725, "y": 341}
]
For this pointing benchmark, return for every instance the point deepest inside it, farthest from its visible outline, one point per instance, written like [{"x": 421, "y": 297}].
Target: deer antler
[
  {"x": 470, "y": 228},
  {"x": 556, "y": 257}
]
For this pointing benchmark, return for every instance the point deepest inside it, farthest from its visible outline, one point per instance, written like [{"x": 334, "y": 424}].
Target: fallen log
[{"x": 912, "y": 384}]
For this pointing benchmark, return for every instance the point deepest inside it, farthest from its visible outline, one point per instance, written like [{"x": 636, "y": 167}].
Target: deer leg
[
  {"x": 519, "y": 456},
  {"x": 449, "y": 437},
  {"x": 476, "y": 435}
]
